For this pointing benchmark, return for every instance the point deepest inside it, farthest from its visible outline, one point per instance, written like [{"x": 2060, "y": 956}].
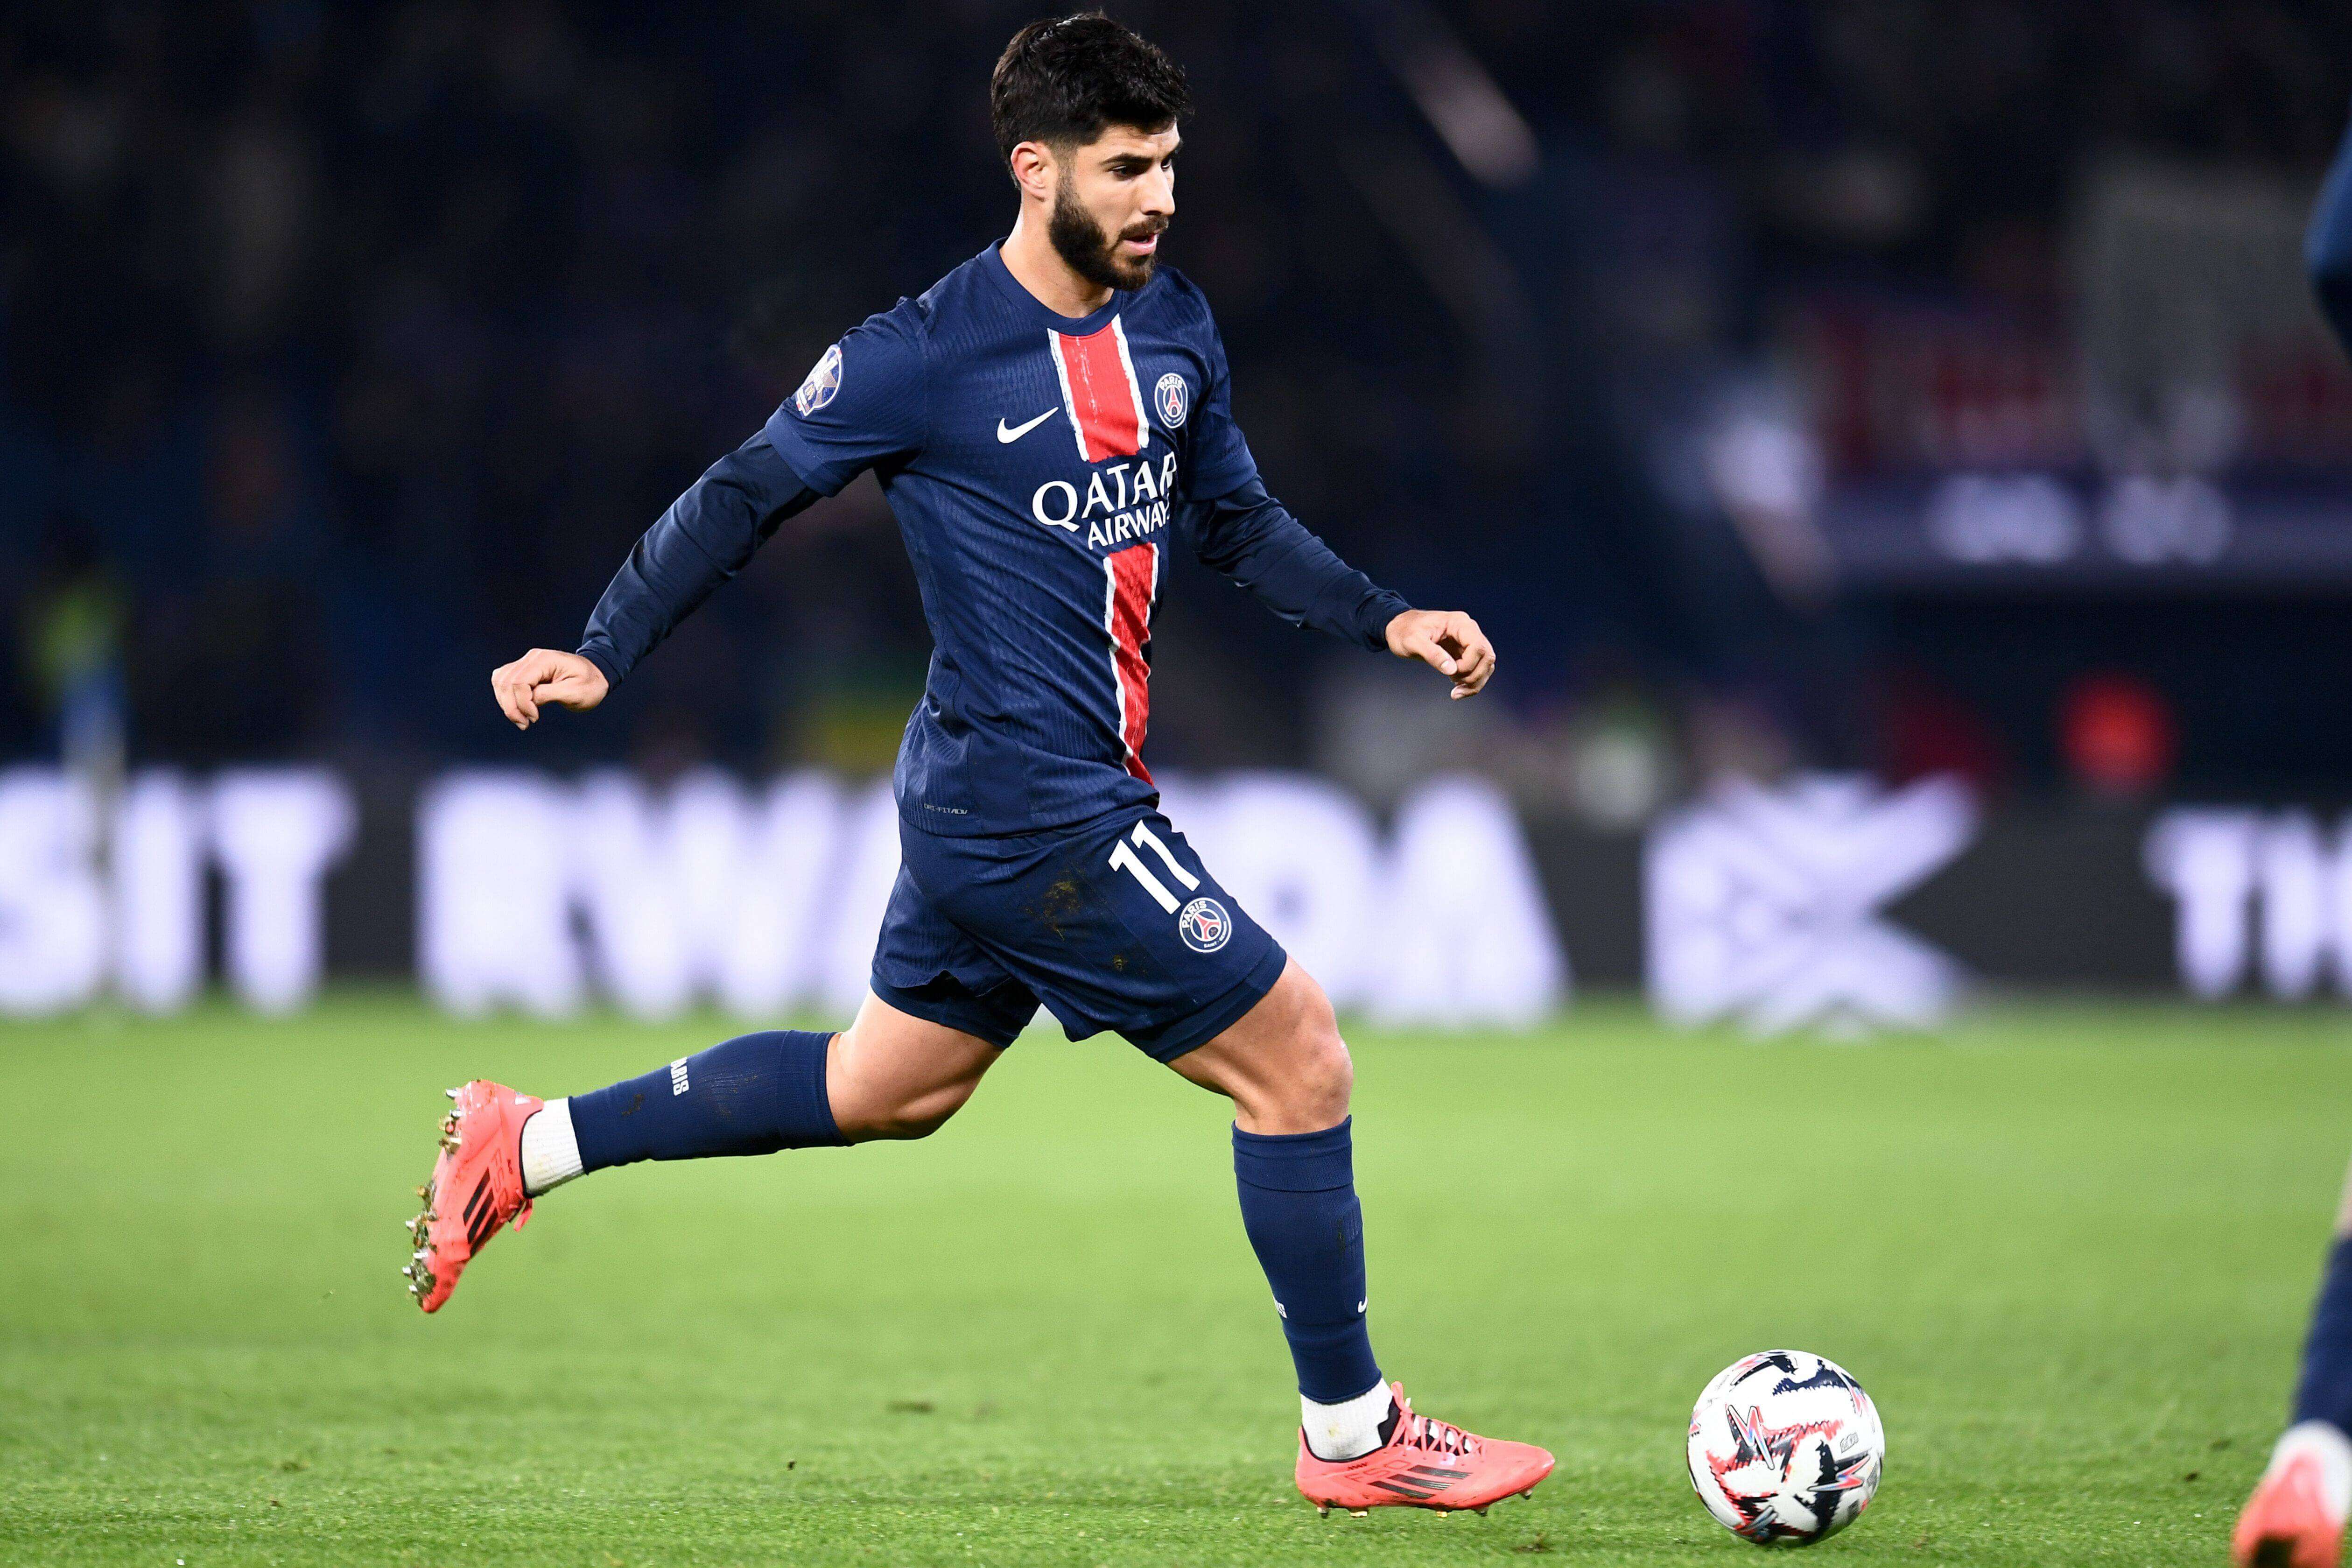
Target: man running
[{"x": 1045, "y": 421}]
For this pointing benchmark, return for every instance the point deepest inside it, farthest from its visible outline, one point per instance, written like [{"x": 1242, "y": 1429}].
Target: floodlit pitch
[{"x": 2069, "y": 1249}]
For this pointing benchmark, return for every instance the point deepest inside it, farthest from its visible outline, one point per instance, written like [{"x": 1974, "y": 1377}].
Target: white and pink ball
[{"x": 1785, "y": 1449}]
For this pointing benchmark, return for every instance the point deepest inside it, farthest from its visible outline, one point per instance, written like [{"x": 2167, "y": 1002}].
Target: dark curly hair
[{"x": 1061, "y": 81}]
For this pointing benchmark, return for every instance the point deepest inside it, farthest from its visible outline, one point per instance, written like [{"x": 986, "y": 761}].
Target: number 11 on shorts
[{"x": 1123, "y": 858}]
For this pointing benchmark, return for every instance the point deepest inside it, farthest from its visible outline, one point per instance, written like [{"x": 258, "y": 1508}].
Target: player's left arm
[
  {"x": 1253, "y": 538},
  {"x": 702, "y": 540}
]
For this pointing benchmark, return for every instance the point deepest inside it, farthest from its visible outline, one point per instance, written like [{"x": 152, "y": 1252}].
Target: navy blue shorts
[{"x": 1115, "y": 925}]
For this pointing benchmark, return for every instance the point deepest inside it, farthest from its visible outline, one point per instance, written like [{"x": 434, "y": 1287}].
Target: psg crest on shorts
[
  {"x": 1169, "y": 398},
  {"x": 1203, "y": 925},
  {"x": 822, "y": 384}
]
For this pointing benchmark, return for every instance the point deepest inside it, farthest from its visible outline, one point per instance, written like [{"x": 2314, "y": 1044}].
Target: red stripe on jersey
[
  {"x": 1099, "y": 390},
  {"x": 1133, "y": 575}
]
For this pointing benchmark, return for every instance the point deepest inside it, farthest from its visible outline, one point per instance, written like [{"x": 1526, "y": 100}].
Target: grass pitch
[{"x": 2068, "y": 1249}]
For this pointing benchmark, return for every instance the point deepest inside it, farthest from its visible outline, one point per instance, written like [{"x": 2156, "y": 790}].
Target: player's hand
[
  {"x": 544, "y": 675},
  {"x": 1449, "y": 642}
]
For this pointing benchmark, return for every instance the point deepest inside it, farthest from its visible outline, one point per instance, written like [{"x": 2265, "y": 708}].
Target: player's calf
[
  {"x": 754, "y": 1094},
  {"x": 1360, "y": 1445},
  {"x": 1289, "y": 1077}
]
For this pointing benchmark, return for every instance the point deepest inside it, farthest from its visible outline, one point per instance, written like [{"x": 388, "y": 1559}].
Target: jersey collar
[{"x": 1038, "y": 311}]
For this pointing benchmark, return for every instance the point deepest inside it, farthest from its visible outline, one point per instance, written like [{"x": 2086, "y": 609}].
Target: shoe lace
[{"x": 1441, "y": 1437}]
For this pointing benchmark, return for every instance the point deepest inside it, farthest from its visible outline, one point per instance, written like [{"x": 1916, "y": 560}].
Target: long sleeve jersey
[{"x": 1038, "y": 467}]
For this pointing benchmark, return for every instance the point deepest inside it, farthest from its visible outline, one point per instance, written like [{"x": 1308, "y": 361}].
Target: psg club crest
[
  {"x": 1169, "y": 397},
  {"x": 1203, "y": 925},
  {"x": 822, "y": 384}
]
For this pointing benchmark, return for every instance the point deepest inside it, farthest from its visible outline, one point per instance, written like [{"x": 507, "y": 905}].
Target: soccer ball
[{"x": 1785, "y": 1449}]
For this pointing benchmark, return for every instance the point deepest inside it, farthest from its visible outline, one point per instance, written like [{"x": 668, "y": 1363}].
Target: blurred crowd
[{"x": 346, "y": 347}]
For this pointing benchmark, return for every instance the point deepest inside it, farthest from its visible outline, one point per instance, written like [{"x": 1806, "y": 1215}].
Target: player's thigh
[
  {"x": 893, "y": 1075},
  {"x": 940, "y": 1012},
  {"x": 927, "y": 966},
  {"x": 1283, "y": 1064},
  {"x": 1115, "y": 925}
]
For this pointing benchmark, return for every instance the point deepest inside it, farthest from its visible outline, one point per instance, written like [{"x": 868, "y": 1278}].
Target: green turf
[{"x": 2068, "y": 1249}]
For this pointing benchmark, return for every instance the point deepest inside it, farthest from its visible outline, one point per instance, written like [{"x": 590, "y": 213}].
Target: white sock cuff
[
  {"x": 2325, "y": 1443},
  {"x": 1348, "y": 1430},
  {"x": 550, "y": 1152}
]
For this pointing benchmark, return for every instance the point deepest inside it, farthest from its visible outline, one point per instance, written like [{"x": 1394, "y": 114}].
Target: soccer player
[
  {"x": 2295, "y": 1518},
  {"x": 1047, "y": 421}
]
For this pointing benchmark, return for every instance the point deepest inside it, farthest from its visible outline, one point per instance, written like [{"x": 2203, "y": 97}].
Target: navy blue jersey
[{"x": 1040, "y": 468}]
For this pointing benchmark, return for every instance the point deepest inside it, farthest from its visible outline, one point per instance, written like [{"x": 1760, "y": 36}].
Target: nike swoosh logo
[{"x": 1014, "y": 433}]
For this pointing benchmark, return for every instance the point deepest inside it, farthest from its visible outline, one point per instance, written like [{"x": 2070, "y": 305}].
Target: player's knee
[
  {"x": 1316, "y": 1089},
  {"x": 1331, "y": 1078}
]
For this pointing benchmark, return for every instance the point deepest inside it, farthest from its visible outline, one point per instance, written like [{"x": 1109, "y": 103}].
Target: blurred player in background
[
  {"x": 2295, "y": 1518},
  {"x": 1045, "y": 421}
]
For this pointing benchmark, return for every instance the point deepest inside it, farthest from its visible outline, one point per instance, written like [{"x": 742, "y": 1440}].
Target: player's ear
[{"x": 1035, "y": 170}]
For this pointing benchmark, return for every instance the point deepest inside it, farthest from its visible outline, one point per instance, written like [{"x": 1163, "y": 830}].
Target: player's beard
[{"x": 1091, "y": 253}]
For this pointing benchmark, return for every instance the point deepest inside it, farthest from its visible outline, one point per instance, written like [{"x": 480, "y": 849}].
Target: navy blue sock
[
  {"x": 751, "y": 1095},
  {"x": 1298, "y": 1204},
  {"x": 2325, "y": 1394}
]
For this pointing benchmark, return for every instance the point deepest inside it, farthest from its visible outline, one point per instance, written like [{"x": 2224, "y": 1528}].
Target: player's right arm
[
  {"x": 703, "y": 539},
  {"x": 861, "y": 406}
]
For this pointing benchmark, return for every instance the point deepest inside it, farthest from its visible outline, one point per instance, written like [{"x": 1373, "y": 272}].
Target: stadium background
[
  {"x": 1892, "y": 446},
  {"x": 1889, "y": 391}
]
